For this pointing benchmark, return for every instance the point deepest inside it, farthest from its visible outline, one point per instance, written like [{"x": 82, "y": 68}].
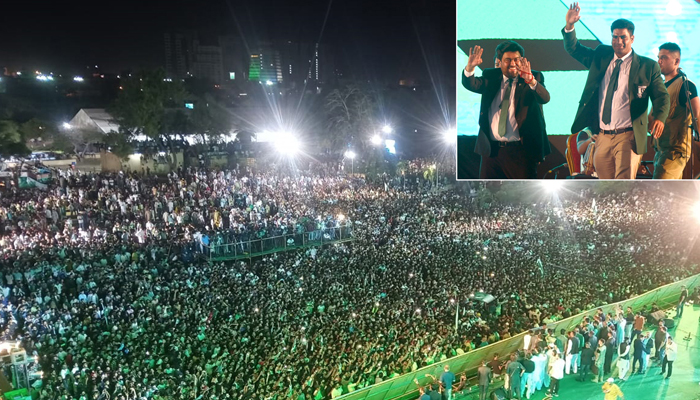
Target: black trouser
[
  {"x": 483, "y": 390},
  {"x": 510, "y": 162},
  {"x": 670, "y": 367},
  {"x": 635, "y": 360},
  {"x": 554, "y": 386},
  {"x": 583, "y": 371}
]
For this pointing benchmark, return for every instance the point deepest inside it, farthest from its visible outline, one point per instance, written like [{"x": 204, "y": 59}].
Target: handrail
[{"x": 255, "y": 247}]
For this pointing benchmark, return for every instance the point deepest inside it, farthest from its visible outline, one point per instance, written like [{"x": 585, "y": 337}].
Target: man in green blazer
[{"x": 616, "y": 98}]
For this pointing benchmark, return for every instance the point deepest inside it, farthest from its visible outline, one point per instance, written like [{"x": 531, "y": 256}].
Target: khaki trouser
[
  {"x": 669, "y": 165},
  {"x": 615, "y": 157}
]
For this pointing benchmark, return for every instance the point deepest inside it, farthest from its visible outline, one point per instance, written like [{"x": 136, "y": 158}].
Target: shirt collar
[
  {"x": 628, "y": 55},
  {"x": 505, "y": 78}
]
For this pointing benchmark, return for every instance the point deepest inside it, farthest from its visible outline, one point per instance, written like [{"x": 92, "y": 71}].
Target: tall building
[
  {"x": 265, "y": 65},
  {"x": 204, "y": 55},
  {"x": 178, "y": 50},
  {"x": 303, "y": 62},
  {"x": 207, "y": 62},
  {"x": 235, "y": 58}
]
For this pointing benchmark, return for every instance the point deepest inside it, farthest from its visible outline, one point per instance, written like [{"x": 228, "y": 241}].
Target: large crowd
[{"x": 106, "y": 282}]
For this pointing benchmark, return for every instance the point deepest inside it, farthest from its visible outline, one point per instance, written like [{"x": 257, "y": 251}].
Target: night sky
[{"x": 371, "y": 39}]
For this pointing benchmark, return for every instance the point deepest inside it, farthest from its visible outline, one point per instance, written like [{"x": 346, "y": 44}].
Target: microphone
[{"x": 556, "y": 168}]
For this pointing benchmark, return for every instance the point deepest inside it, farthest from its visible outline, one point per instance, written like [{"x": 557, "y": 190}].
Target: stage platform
[{"x": 683, "y": 384}]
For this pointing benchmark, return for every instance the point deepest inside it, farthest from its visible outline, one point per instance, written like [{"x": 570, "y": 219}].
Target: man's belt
[
  {"x": 506, "y": 144},
  {"x": 616, "y": 131}
]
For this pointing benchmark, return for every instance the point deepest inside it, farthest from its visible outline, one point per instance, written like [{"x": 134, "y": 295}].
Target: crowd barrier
[
  {"x": 402, "y": 387},
  {"x": 256, "y": 247}
]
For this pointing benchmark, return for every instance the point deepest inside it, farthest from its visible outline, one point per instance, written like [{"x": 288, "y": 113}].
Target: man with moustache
[
  {"x": 512, "y": 136},
  {"x": 616, "y": 96}
]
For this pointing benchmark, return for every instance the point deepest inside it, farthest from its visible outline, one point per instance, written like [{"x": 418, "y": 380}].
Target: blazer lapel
[
  {"x": 634, "y": 70},
  {"x": 604, "y": 63},
  {"x": 520, "y": 88},
  {"x": 496, "y": 77}
]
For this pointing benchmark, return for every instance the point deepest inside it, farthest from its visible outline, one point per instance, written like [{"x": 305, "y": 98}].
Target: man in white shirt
[
  {"x": 669, "y": 357},
  {"x": 556, "y": 372}
]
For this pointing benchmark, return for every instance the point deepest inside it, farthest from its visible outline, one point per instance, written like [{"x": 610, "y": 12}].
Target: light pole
[
  {"x": 456, "y": 314},
  {"x": 351, "y": 155},
  {"x": 436, "y": 175}
]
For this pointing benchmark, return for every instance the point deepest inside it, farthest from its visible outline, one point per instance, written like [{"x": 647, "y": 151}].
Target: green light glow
[
  {"x": 255, "y": 66},
  {"x": 513, "y": 19}
]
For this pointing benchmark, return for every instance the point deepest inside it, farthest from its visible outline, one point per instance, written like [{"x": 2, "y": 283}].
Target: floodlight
[
  {"x": 66, "y": 125},
  {"x": 387, "y": 129},
  {"x": 551, "y": 185},
  {"x": 286, "y": 143},
  {"x": 376, "y": 140},
  {"x": 450, "y": 135},
  {"x": 350, "y": 154}
]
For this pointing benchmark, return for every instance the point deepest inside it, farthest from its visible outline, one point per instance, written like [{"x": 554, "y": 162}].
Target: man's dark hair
[
  {"x": 507, "y": 46},
  {"x": 623, "y": 24},
  {"x": 672, "y": 47}
]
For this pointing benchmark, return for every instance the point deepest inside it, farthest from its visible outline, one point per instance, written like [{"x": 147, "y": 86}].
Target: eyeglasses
[{"x": 508, "y": 60}]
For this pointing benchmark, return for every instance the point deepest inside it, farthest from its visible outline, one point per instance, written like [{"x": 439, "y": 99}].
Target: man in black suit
[
  {"x": 512, "y": 136},
  {"x": 616, "y": 97},
  {"x": 638, "y": 354}
]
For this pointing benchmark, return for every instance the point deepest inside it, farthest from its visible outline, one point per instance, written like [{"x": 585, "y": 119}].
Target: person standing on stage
[
  {"x": 512, "y": 136},
  {"x": 683, "y": 298},
  {"x": 623, "y": 360},
  {"x": 669, "y": 356},
  {"x": 485, "y": 378},
  {"x": 673, "y": 147},
  {"x": 616, "y": 97},
  {"x": 447, "y": 379},
  {"x": 515, "y": 371}
]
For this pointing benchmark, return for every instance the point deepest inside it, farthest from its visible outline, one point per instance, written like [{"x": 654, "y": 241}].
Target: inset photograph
[{"x": 573, "y": 90}]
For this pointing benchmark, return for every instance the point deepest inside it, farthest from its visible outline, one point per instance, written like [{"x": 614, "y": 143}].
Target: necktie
[
  {"x": 612, "y": 87},
  {"x": 505, "y": 104}
]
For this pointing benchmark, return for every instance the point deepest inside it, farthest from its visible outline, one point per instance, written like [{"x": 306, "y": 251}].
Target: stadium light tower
[
  {"x": 286, "y": 143},
  {"x": 551, "y": 185},
  {"x": 351, "y": 155},
  {"x": 450, "y": 136}
]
